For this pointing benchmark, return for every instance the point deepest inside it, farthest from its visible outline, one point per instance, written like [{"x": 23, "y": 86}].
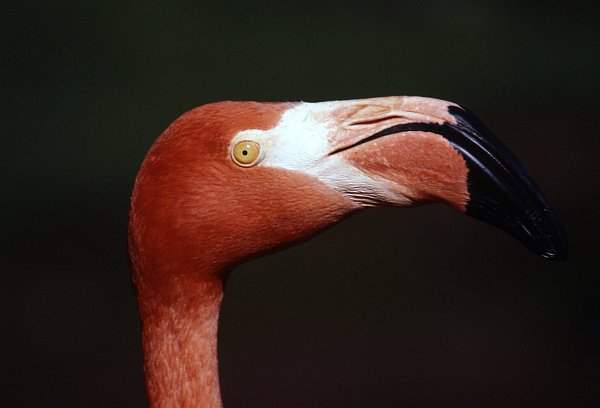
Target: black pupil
[{"x": 245, "y": 152}]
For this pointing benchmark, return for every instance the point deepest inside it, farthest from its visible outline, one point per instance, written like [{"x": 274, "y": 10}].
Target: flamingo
[{"x": 228, "y": 181}]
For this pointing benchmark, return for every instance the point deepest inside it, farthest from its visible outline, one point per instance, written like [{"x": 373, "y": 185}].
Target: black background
[{"x": 412, "y": 307}]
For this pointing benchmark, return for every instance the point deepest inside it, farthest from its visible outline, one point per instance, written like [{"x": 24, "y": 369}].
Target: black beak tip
[
  {"x": 537, "y": 229},
  {"x": 554, "y": 243},
  {"x": 546, "y": 237},
  {"x": 501, "y": 192},
  {"x": 555, "y": 255}
]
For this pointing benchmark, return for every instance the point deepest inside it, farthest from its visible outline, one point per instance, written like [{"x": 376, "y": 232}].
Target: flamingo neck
[{"x": 179, "y": 339}]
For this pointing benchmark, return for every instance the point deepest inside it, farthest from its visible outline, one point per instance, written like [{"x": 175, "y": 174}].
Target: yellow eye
[{"x": 246, "y": 153}]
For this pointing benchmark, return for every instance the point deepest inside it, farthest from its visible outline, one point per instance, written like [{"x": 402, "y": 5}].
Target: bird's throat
[{"x": 180, "y": 345}]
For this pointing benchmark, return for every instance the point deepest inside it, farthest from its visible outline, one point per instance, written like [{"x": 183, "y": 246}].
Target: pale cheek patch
[
  {"x": 297, "y": 142},
  {"x": 364, "y": 189},
  {"x": 301, "y": 142}
]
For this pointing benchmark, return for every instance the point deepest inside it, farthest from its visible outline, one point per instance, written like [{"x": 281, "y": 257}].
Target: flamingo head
[{"x": 230, "y": 180}]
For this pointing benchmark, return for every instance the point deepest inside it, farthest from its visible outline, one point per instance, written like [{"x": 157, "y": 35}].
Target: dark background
[{"x": 416, "y": 307}]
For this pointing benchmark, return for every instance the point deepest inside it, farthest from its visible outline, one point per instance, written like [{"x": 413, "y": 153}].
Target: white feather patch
[{"x": 300, "y": 142}]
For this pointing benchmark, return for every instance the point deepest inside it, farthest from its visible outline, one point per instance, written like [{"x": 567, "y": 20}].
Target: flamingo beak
[{"x": 431, "y": 150}]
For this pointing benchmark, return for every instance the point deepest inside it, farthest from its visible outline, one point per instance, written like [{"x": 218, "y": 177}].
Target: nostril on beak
[{"x": 375, "y": 121}]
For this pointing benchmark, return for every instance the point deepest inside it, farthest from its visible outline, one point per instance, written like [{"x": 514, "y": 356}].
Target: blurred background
[{"x": 411, "y": 308}]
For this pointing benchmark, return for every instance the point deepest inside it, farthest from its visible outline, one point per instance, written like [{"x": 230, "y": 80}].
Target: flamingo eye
[{"x": 246, "y": 153}]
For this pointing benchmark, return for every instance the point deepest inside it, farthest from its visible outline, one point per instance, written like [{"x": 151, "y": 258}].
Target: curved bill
[{"x": 498, "y": 189}]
